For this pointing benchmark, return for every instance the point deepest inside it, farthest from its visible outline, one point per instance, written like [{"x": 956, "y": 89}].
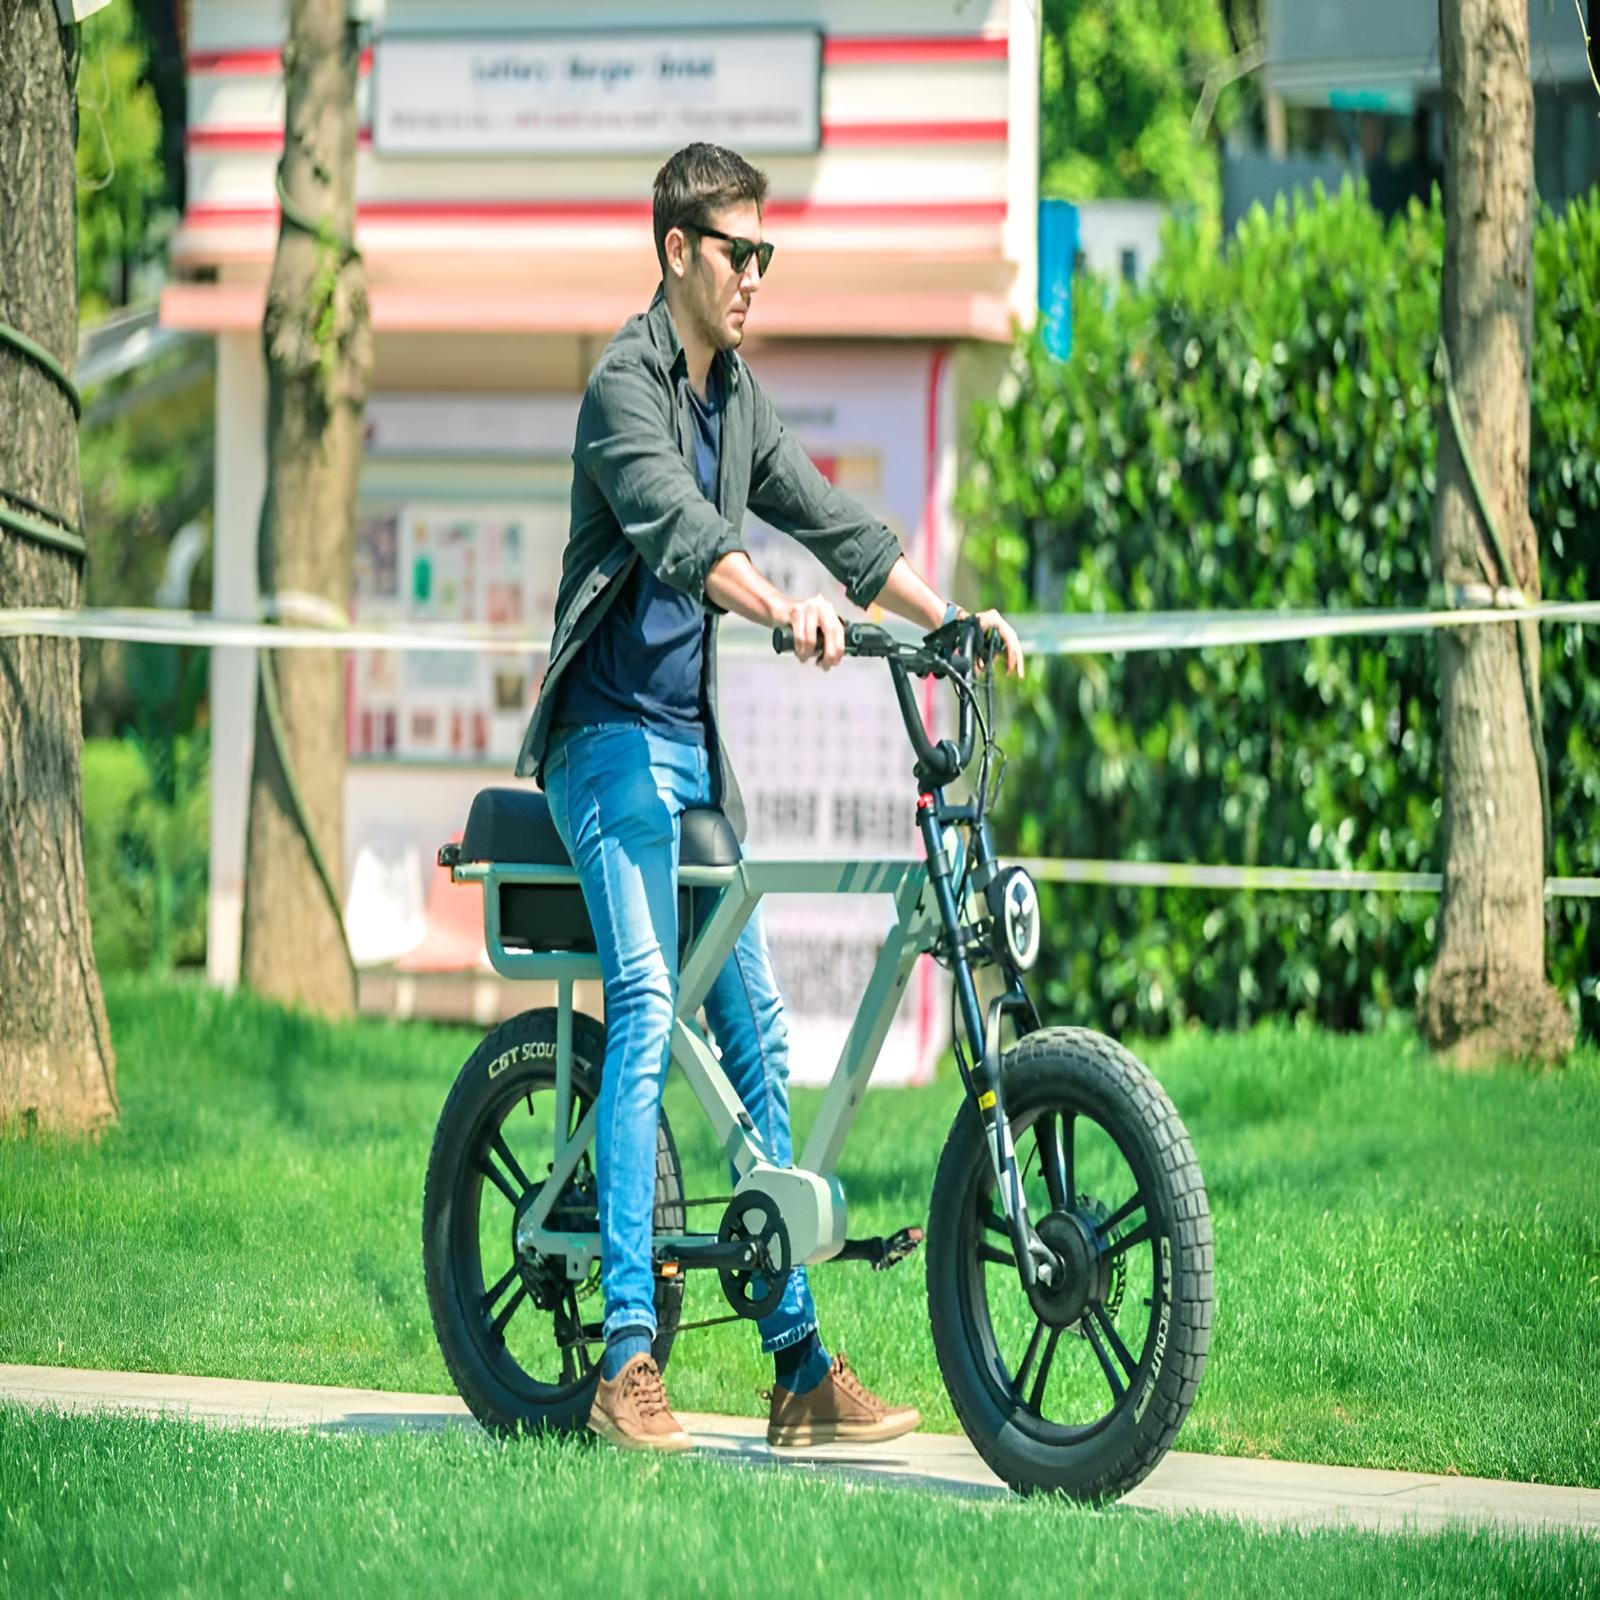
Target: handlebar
[
  {"x": 860, "y": 639},
  {"x": 948, "y": 652}
]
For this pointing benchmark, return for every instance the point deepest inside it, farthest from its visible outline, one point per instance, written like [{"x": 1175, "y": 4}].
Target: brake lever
[{"x": 952, "y": 641}]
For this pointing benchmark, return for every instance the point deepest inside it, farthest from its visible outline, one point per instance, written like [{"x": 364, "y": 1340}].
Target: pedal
[
  {"x": 882, "y": 1253},
  {"x": 897, "y": 1247}
]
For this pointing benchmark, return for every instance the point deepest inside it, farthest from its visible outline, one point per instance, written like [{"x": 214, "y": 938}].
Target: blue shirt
[{"x": 646, "y": 658}]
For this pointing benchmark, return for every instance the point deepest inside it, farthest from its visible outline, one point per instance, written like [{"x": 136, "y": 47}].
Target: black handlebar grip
[{"x": 860, "y": 639}]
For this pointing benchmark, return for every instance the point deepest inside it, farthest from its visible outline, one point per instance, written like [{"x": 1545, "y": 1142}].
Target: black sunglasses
[{"x": 740, "y": 250}]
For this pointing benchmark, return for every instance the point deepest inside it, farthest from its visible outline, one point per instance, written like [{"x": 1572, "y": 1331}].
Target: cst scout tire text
[
  {"x": 1076, "y": 1070},
  {"x": 514, "y": 1061}
]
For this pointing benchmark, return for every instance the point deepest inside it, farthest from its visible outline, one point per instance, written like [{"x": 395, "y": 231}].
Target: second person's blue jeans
[{"x": 617, "y": 792}]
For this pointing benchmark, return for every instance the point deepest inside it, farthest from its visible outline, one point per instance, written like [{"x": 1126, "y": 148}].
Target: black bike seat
[
  {"x": 515, "y": 826},
  {"x": 707, "y": 839}
]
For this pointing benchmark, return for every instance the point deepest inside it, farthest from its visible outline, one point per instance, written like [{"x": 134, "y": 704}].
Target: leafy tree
[
  {"x": 317, "y": 335},
  {"x": 1487, "y": 996},
  {"x": 146, "y": 452},
  {"x": 121, "y": 180},
  {"x": 57, "y": 1070},
  {"x": 1120, "y": 80}
]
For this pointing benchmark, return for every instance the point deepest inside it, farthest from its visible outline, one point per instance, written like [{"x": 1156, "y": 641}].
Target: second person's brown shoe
[
  {"x": 632, "y": 1410},
  {"x": 840, "y": 1410}
]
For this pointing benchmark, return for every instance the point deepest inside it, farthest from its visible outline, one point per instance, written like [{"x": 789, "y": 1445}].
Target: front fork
[{"x": 1036, "y": 1262}]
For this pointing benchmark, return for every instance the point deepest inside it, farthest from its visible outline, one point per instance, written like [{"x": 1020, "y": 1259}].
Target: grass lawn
[
  {"x": 130, "y": 1507},
  {"x": 1408, "y": 1259}
]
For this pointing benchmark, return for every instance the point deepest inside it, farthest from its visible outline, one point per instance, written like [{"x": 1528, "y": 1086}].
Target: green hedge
[
  {"x": 1255, "y": 428},
  {"x": 146, "y": 844}
]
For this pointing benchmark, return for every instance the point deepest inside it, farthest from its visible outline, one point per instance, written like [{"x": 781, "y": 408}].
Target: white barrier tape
[
  {"x": 203, "y": 628},
  {"x": 1064, "y": 635},
  {"x": 1068, "y": 634},
  {"x": 1180, "y": 875},
  {"x": 296, "y": 606},
  {"x": 1076, "y": 634}
]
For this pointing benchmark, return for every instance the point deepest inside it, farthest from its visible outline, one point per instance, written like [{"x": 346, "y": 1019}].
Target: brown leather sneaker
[
  {"x": 632, "y": 1410},
  {"x": 839, "y": 1410}
]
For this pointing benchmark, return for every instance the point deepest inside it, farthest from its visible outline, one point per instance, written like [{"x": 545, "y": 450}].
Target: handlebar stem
[{"x": 947, "y": 652}]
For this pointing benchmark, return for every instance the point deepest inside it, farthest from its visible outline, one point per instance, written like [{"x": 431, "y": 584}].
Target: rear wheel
[
  {"x": 512, "y": 1327},
  {"x": 1080, "y": 1387}
]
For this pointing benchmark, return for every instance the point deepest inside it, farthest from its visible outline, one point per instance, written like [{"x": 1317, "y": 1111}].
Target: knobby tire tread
[
  {"x": 1057, "y": 1053},
  {"x": 457, "y": 1116}
]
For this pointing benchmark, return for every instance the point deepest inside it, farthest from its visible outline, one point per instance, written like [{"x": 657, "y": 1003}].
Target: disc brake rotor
[
  {"x": 1096, "y": 1212},
  {"x": 546, "y": 1275}
]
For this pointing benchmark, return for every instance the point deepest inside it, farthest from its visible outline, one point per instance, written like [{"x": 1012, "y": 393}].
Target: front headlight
[{"x": 1014, "y": 905}]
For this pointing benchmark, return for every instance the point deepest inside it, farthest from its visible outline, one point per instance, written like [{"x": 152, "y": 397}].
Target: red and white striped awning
[{"x": 897, "y": 226}]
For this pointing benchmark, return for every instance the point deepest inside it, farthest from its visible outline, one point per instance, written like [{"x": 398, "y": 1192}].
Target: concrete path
[{"x": 1270, "y": 1492}]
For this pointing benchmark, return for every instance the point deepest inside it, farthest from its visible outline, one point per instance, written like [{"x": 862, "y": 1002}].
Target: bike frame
[
  {"x": 808, "y": 1197},
  {"x": 810, "y": 1194}
]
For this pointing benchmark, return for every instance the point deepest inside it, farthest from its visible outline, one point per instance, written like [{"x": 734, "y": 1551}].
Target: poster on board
[
  {"x": 489, "y": 563},
  {"x": 823, "y": 759}
]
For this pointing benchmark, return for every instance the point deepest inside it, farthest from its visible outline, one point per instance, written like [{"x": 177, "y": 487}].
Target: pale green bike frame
[{"x": 808, "y": 1195}]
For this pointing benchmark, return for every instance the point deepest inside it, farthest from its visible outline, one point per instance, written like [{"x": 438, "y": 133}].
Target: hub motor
[{"x": 1086, "y": 1274}]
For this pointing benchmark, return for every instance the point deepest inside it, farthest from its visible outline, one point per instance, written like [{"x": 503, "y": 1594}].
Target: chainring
[{"x": 755, "y": 1292}]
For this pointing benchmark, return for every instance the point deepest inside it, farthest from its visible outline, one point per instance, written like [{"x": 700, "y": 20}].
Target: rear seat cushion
[{"x": 514, "y": 826}]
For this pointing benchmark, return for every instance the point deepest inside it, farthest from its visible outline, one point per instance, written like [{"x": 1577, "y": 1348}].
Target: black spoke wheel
[
  {"x": 520, "y": 1338},
  {"x": 1078, "y": 1386}
]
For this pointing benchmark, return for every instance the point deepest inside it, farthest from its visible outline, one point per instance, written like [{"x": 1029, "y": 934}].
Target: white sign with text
[{"x": 757, "y": 90}]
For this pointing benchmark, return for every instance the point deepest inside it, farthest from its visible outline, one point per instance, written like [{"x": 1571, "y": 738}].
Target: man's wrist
[{"x": 951, "y": 612}]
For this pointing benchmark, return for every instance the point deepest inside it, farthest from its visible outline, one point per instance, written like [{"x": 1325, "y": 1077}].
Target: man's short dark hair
[{"x": 700, "y": 179}]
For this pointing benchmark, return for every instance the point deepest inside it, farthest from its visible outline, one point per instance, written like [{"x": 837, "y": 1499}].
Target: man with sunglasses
[{"x": 675, "y": 442}]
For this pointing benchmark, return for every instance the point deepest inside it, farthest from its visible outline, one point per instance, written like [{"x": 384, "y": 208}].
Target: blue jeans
[{"x": 617, "y": 791}]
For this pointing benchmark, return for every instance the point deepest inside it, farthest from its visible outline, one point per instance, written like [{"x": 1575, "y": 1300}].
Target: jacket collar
[{"x": 664, "y": 336}]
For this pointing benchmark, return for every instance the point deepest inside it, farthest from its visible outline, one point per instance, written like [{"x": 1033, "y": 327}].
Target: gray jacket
[{"x": 635, "y": 497}]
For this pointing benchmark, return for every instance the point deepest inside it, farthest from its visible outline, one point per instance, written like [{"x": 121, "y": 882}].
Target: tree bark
[
  {"x": 56, "y": 1065},
  {"x": 1487, "y": 996},
  {"x": 318, "y": 341}
]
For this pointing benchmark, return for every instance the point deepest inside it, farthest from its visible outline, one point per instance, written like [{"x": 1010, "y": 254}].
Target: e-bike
[{"x": 1068, "y": 1238}]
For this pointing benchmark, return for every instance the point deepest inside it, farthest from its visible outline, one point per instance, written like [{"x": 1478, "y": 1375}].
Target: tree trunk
[
  {"x": 1487, "y": 997},
  {"x": 56, "y": 1065},
  {"x": 318, "y": 344}
]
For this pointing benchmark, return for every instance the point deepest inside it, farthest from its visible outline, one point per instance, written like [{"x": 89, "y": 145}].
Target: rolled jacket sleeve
[
  {"x": 626, "y": 443},
  {"x": 787, "y": 490}
]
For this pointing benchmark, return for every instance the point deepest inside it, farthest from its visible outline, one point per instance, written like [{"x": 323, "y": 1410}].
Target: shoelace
[
  {"x": 852, "y": 1385},
  {"x": 649, "y": 1393}
]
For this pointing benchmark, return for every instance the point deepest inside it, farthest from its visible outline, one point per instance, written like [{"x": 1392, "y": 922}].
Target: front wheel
[{"x": 1079, "y": 1387}]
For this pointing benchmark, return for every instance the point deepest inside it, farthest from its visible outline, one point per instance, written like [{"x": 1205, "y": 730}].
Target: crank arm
[{"x": 738, "y": 1255}]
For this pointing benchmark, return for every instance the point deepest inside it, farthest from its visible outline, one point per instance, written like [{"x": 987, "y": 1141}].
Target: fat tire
[
  {"x": 499, "y": 1405},
  {"x": 1059, "y": 1068}
]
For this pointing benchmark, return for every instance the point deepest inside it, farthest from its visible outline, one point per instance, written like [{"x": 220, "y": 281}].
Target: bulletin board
[
  {"x": 823, "y": 760},
  {"x": 441, "y": 563}
]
